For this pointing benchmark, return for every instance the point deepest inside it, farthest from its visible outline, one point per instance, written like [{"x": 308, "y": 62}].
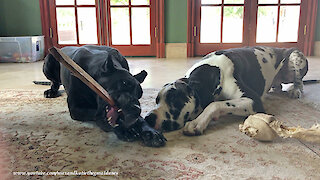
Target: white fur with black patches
[
  {"x": 239, "y": 107},
  {"x": 267, "y": 64},
  {"x": 162, "y": 108},
  {"x": 230, "y": 89},
  {"x": 239, "y": 79}
]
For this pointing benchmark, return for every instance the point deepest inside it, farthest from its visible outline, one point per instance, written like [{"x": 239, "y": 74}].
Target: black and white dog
[
  {"x": 226, "y": 82},
  {"x": 110, "y": 69}
]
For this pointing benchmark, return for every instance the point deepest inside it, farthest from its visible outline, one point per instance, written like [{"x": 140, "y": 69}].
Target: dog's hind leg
[
  {"x": 240, "y": 107},
  {"x": 51, "y": 69}
]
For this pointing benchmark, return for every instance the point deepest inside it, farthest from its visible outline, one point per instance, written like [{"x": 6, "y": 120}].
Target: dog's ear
[
  {"x": 108, "y": 66},
  {"x": 141, "y": 76}
]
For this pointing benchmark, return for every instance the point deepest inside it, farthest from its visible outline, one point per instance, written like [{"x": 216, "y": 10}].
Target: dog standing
[
  {"x": 227, "y": 82},
  {"x": 110, "y": 69}
]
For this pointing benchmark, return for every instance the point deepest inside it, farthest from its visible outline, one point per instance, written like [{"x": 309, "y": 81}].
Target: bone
[
  {"x": 119, "y": 110},
  {"x": 264, "y": 127}
]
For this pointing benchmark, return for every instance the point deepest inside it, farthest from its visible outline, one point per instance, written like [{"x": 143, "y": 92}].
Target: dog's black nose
[{"x": 151, "y": 119}]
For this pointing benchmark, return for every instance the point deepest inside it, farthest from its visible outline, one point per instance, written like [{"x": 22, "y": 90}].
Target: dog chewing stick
[
  {"x": 264, "y": 127},
  {"x": 77, "y": 71}
]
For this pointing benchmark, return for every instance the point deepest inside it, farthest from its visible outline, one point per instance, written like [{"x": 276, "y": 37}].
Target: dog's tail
[
  {"x": 310, "y": 81},
  {"x": 46, "y": 83}
]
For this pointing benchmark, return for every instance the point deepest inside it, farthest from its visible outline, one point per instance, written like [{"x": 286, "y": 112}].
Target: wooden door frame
[
  {"x": 306, "y": 43},
  {"x": 51, "y": 39}
]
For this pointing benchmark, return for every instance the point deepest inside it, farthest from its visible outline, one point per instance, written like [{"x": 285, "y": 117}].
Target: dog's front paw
[
  {"x": 128, "y": 135},
  {"x": 51, "y": 94},
  {"x": 193, "y": 128},
  {"x": 152, "y": 137},
  {"x": 295, "y": 93}
]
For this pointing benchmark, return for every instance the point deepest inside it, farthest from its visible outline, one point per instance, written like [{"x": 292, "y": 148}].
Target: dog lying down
[
  {"x": 227, "y": 82},
  {"x": 110, "y": 69}
]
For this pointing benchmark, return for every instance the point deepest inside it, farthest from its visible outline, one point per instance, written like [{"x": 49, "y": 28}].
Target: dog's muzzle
[{"x": 126, "y": 113}]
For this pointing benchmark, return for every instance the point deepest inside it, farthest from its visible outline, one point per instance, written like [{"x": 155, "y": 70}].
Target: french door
[
  {"x": 131, "y": 26},
  {"x": 222, "y": 24}
]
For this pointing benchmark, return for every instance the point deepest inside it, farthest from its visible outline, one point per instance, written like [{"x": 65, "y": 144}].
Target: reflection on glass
[
  {"x": 233, "y": 1},
  {"x": 289, "y": 23},
  {"x": 232, "y": 24},
  {"x": 210, "y": 24},
  {"x": 139, "y": 2},
  {"x": 120, "y": 28},
  {"x": 119, "y": 2},
  {"x": 211, "y": 1},
  {"x": 290, "y": 1},
  {"x": 87, "y": 25},
  {"x": 64, "y": 2},
  {"x": 140, "y": 25},
  {"x": 268, "y": 1},
  {"x": 86, "y": 2},
  {"x": 267, "y": 24},
  {"x": 66, "y": 26}
]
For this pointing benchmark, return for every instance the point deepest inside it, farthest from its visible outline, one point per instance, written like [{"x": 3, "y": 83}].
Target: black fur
[{"x": 110, "y": 69}]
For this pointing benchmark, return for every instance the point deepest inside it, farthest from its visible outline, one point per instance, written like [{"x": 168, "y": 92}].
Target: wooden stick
[{"x": 77, "y": 71}]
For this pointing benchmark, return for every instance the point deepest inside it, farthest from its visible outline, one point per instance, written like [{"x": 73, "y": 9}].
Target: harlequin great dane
[{"x": 227, "y": 82}]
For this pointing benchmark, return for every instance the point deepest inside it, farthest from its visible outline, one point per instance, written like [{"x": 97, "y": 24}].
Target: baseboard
[
  {"x": 176, "y": 50},
  {"x": 316, "y": 48}
]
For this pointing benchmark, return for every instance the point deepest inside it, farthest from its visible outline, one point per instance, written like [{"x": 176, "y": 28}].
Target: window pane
[
  {"x": 268, "y": 1},
  {"x": 290, "y": 1},
  {"x": 289, "y": 23},
  {"x": 120, "y": 27},
  {"x": 233, "y": 1},
  {"x": 211, "y": 1},
  {"x": 64, "y": 2},
  {"x": 140, "y": 2},
  {"x": 267, "y": 24},
  {"x": 140, "y": 25},
  {"x": 232, "y": 24},
  {"x": 86, "y": 2},
  {"x": 87, "y": 25},
  {"x": 210, "y": 24},
  {"x": 66, "y": 26},
  {"x": 119, "y": 2}
]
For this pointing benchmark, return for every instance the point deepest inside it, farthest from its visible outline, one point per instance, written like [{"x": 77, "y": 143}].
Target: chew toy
[{"x": 264, "y": 127}]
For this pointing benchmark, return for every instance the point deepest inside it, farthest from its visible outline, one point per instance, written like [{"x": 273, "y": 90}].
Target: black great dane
[
  {"x": 232, "y": 81},
  {"x": 110, "y": 69}
]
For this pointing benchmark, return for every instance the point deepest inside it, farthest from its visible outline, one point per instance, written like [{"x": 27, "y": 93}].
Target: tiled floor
[{"x": 161, "y": 71}]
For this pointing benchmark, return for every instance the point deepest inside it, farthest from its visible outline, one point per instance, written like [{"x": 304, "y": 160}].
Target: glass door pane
[
  {"x": 120, "y": 26},
  {"x": 86, "y": 2},
  {"x": 119, "y": 2},
  {"x": 87, "y": 25},
  {"x": 64, "y": 2},
  {"x": 290, "y": 1},
  {"x": 289, "y": 23},
  {"x": 267, "y": 24},
  {"x": 232, "y": 24},
  {"x": 210, "y": 30},
  {"x": 268, "y": 1},
  {"x": 211, "y": 1},
  {"x": 140, "y": 2},
  {"x": 66, "y": 26},
  {"x": 233, "y": 1},
  {"x": 141, "y": 25}
]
